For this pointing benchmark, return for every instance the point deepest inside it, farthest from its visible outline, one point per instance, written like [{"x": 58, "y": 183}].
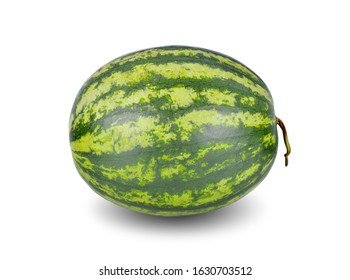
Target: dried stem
[{"x": 285, "y": 137}]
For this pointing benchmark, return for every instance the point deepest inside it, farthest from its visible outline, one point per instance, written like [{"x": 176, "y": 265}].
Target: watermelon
[{"x": 174, "y": 131}]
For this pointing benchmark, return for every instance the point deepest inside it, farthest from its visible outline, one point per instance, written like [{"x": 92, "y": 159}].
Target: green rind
[{"x": 173, "y": 131}]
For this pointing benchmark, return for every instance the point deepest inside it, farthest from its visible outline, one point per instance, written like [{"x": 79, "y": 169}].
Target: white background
[{"x": 295, "y": 225}]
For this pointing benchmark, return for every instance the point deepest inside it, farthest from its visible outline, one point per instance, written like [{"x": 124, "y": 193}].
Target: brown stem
[{"x": 285, "y": 137}]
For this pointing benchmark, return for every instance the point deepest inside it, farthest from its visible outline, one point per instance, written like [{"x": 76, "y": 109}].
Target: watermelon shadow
[{"x": 241, "y": 212}]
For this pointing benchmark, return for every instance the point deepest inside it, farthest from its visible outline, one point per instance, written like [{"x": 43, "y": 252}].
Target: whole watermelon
[{"x": 173, "y": 131}]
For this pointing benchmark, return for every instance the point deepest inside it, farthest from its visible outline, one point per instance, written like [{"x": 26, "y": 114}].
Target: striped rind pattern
[{"x": 173, "y": 131}]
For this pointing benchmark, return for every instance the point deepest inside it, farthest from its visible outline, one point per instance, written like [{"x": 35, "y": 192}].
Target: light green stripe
[
  {"x": 83, "y": 161},
  {"x": 204, "y": 151},
  {"x": 197, "y": 118},
  {"x": 248, "y": 100},
  {"x": 269, "y": 140},
  {"x": 143, "y": 173},
  {"x": 146, "y": 131},
  {"x": 181, "y": 52},
  {"x": 214, "y": 192},
  {"x": 123, "y": 137},
  {"x": 244, "y": 175}
]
